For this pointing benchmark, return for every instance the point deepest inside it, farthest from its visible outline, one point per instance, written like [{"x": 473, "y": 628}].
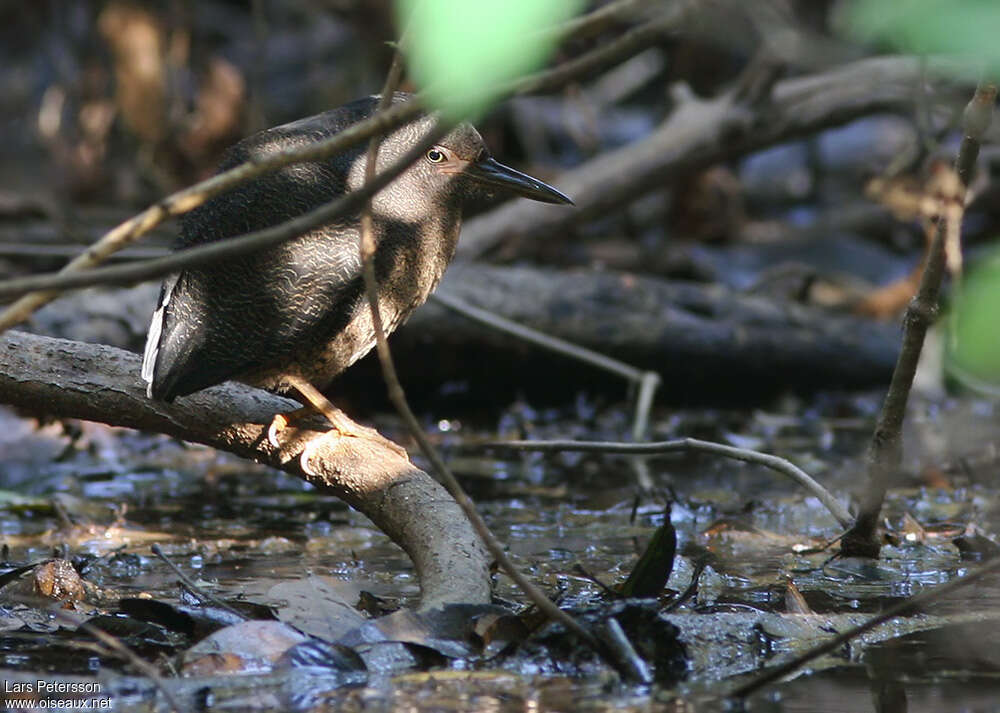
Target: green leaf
[
  {"x": 462, "y": 50},
  {"x": 955, "y": 27},
  {"x": 975, "y": 324},
  {"x": 651, "y": 572}
]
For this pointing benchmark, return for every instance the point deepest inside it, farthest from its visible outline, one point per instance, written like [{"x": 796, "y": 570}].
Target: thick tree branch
[
  {"x": 702, "y": 337},
  {"x": 98, "y": 383},
  {"x": 699, "y": 134}
]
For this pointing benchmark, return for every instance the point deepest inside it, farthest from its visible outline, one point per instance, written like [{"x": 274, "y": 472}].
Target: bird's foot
[
  {"x": 342, "y": 425},
  {"x": 281, "y": 421}
]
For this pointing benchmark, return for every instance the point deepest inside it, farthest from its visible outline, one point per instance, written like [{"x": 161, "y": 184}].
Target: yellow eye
[{"x": 435, "y": 156}]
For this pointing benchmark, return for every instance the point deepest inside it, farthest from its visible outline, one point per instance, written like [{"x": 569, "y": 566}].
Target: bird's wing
[
  {"x": 252, "y": 313},
  {"x": 217, "y": 322}
]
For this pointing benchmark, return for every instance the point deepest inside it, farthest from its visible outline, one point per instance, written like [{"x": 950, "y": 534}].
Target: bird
[{"x": 291, "y": 318}]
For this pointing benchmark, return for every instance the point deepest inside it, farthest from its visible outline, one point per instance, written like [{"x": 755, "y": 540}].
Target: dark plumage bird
[{"x": 298, "y": 311}]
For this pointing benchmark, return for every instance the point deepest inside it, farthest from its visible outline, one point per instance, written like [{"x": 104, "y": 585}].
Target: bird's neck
[{"x": 411, "y": 258}]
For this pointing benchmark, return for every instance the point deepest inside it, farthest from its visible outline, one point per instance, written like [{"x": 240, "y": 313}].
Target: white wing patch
[{"x": 153, "y": 337}]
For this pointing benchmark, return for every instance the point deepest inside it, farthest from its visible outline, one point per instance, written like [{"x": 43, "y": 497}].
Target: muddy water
[{"x": 104, "y": 496}]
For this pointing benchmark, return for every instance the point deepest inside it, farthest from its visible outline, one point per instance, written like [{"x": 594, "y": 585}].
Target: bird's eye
[{"x": 435, "y": 156}]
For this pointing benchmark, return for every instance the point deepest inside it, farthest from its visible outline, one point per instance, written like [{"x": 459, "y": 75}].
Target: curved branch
[
  {"x": 776, "y": 463},
  {"x": 99, "y": 383}
]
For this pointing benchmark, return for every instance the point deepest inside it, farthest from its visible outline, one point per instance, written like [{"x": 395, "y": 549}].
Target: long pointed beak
[{"x": 494, "y": 173}]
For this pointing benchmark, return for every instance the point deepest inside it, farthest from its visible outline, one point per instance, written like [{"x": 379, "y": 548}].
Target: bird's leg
[
  {"x": 337, "y": 418},
  {"x": 316, "y": 402}
]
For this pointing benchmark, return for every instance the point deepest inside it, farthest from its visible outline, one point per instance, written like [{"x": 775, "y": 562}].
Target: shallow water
[{"x": 238, "y": 530}]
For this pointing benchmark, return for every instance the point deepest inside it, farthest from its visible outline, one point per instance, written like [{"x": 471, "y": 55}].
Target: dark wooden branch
[
  {"x": 699, "y": 134},
  {"x": 706, "y": 341},
  {"x": 61, "y": 378},
  {"x": 700, "y": 338}
]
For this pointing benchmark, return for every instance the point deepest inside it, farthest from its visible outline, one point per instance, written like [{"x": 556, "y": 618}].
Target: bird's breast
[{"x": 410, "y": 261}]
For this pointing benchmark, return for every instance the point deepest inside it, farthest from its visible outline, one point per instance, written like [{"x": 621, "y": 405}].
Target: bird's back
[{"x": 221, "y": 321}]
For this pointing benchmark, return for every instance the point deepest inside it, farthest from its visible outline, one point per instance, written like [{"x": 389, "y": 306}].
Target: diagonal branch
[
  {"x": 45, "y": 289},
  {"x": 194, "y": 196},
  {"x": 906, "y": 606},
  {"x": 367, "y": 248},
  {"x": 885, "y": 450},
  {"x": 212, "y": 252},
  {"x": 700, "y": 133}
]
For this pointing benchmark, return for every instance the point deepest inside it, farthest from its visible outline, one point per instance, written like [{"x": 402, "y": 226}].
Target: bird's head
[
  {"x": 463, "y": 154},
  {"x": 457, "y": 168}
]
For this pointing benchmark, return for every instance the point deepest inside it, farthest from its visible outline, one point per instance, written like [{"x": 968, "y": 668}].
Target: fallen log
[
  {"x": 699, "y": 338},
  {"x": 707, "y": 342}
]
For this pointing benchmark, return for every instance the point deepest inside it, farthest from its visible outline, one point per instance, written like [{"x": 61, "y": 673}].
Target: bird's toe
[{"x": 278, "y": 424}]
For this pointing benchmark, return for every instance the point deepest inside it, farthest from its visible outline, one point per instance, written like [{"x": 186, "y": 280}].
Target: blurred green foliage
[
  {"x": 967, "y": 29},
  {"x": 955, "y": 27},
  {"x": 975, "y": 317},
  {"x": 461, "y": 50}
]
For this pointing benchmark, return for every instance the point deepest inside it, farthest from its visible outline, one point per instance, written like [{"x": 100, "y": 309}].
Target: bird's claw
[
  {"x": 278, "y": 424},
  {"x": 342, "y": 427}
]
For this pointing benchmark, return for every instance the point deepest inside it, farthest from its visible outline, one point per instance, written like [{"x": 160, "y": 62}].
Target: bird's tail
[{"x": 152, "y": 349}]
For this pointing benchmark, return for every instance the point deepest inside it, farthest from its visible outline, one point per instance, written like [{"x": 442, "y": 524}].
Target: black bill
[{"x": 492, "y": 172}]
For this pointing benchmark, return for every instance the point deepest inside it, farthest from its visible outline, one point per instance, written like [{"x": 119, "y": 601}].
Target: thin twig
[
  {"x": 209, "y": 253},
  {"x": 555, "y": 344},
  {"x": 194, "y": 196},
  {"x": 767, "y": 460},
  {"x": 644, "y": 404},
  {"x": 596, "y": 21},
  {"x": 885, "y": 450},
  {"x": 691, "y": 589},
  {"x": 647, "y": 381},
  {"x": 367, "y": 248},
  {"x": 189, "y": 583},
  {"x": 39, "y": 290},
  {"x": 841, "y": 639},
  {"x": 616, "y": 640},
  {"x": 68, "y": 250},
  {"x": 629, "y": 44}
]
